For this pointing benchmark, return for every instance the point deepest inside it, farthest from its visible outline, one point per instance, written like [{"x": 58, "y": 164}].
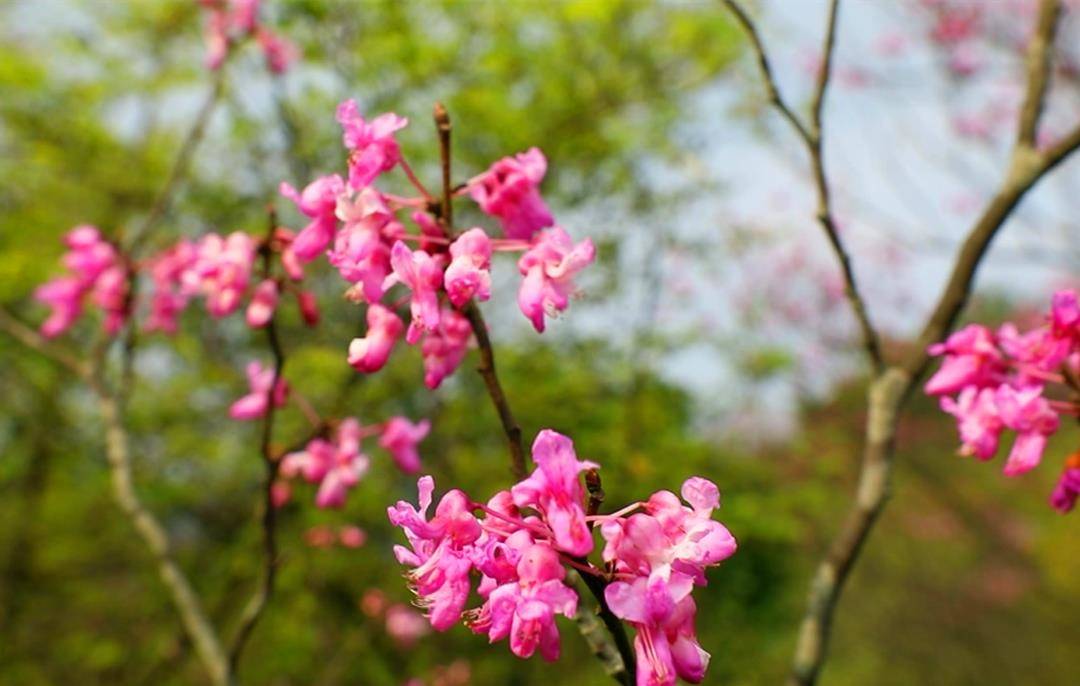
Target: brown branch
[
  {"x": 890, "y": 389},
  {"x": 1038, "y": 61},
  {"x": 180, "y": 166},
  {"x": 618, "y": 660},
  {"x": 812, "y": 139},
  {"x": 35, "y": 341},
  {"x": 268, "y": 517}
]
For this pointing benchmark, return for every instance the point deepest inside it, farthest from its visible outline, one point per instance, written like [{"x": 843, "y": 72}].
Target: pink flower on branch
[
  {"x": 263, "y": 392},
  {"x": 549, "y": 267},
  {"x": 370, "y": 353},
  {"x": 318, "y": 201},
  {"x": 510, "y": 191},
  {"x": 373, "y": 149},
  {"x": 400, "y": 438},
  {"x": 422, "y": 274},
  {"x": 468, "y": 274},
  {"x": 336, "y": 467}
]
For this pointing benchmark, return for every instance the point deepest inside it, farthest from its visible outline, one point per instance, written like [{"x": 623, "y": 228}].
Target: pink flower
[
  {"x": 111, "y": 295},
  {"x": 1065, "y": 314},
  {"x": 64, "y": 295},
  {"x": 420, "y": 273},
  {"x": 440, "y": 575},
  {"x": 244, "y": 15},
  {"x": 554, "y": 488},
  {"x": 254, "y": 404},
  {"x": 361, "y": 253},
  {"x": 352, "y": 536},
  {"x": 400, "y": 437},
  {"x": 510, "y": 191},
  {"x": 220, "y": 271},
  {"x": 549, "y": 267},
  {"x": 336, "y": 467},
  {"x": 279, "y": 52},
  {"x": 89, "y": 254},
  {"x": 263, "y": 303},
  {"x": 524, "y": 609},
  {"x": 971, "y": 358},
  {"x": 308, "y": 306},
  {"x": 216, "y": 37},
  {"x": 1026, "y": 412},
  {"x": 468, "y": 274},
  {"x": 168, "y": 300},
  {"x": 978, "y": 420},
  {"x": 405, "y": 625},
  {"x": 1063, "y": 499},
  {"x": 445, "y": 348},
  {"x": 1040, "y": 349},
  {"x": 373, "y": 147},
  {"x": 319, "y": 202},
  {"x": 370, "y": 353}
]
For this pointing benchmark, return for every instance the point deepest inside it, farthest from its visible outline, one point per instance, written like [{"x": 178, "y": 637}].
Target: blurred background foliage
[{"x": 971, "y": 578}]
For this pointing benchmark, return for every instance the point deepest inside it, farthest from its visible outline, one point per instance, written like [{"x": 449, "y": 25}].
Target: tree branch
[
  {"x": 254, "y": 609},
  {"x": 180, "y": 166},
  {"x": 890, "y": 389},
  {"x": 618, "y": 660},
  {"x": 812, "y": 138},
  {"x": 38, "y": 343}
]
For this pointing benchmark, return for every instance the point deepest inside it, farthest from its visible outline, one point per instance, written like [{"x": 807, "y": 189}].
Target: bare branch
[
  {"x": 253, "y": 611},
  {"x": 192, "y": 615},
  {"x": 180, "y": 166},
  {"x": 35, "y": 341},
  {"x": 891, "y": 388},
  {"x": 812, "y": 140},
  {"x": 1039, "y": 57}
]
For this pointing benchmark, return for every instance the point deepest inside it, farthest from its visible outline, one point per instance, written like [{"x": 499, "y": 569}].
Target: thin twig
[
  {"x": 618, "y": 660},
  {"x": 35, "y": 341},
  {"x": 180, "y": 166},
  {"x": 812, "y": 138},
  {"x": 257, "y": 604}
]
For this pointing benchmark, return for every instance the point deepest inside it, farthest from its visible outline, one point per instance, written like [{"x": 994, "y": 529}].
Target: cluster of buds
[
  {"x": 97, "y": 271},
  {"x": 527, "y": 537},
  {"x": 993, "y": 381},
  {"x": 357, "y": 228},
  {"x": 231, "y": 22},
  {"x": 338, "y": 465}
]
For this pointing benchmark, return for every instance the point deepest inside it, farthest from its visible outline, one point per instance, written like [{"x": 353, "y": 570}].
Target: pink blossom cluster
[
  {"x": 220, "y": 270},
  {"x": 357, "y": 228},
  {"x": 528, "y": 535},
  {"x": 230, "y": 22},
  {"x": 337, "y": 465},
  {"x": 997, "y": 381},
  {"x": 96, "y": 270}
]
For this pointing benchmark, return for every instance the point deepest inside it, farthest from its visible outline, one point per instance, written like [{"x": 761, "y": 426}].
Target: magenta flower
[
  {"x": 445, "y": 348},
  {"x": 405, "y": 625},
  {"x": 510, "y": 191},
  {"x": 1040, "y": 349},
  {"x": 440, "y": 575},
  {"x": 279, "y": 52},
  {"x": 370, "y": 353},
  {"x": 549, "y": 267},
  {"x": 422, "y": 274},
  {"x": 319, "y": 202},
  {"x": 468, "y": 275},
  {"x": 554, "y": 489},
  {"x": 254, "y": 404},
  {"x": 1065, "y": 314},
  {"x": 361, "y": 253},
  {"x": 525, "y": 608},
  {"x": 220, "y": 271},
  {"x": 978, "y": 421},
  {"x": 244, "y": 15},
  {"x": 1063, "y": 499},
  {"x": 263, "y": 303},
  {"x": 308, "y": 306},
  {"x": 64, "y": 296},
  {"x": 400, "y": 438},
  {"x": 373, "y": 149},
  {"x": 168, "y": 300},
  {"x": 972, "y": 358},
  {"x": 336, "y": 467},
  {"x": 1026, "y": 412},
  {"x": 96, "y": 269}
]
